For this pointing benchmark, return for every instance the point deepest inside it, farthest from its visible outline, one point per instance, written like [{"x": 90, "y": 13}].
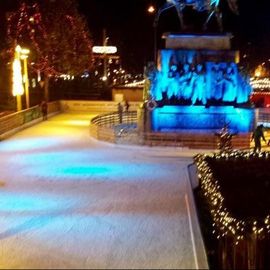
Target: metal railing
[
  {"x": 109, "y": 127},
  {"x": 112, "y": 119},
  {"x": 18, "y": 120},
  {"x": 263, "y": 115}
]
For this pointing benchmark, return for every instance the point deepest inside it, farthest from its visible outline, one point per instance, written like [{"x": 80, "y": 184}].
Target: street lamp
[
  {"x": 17, "y": 81},
  {"x": 152, "y": 10},
  {"x": 105, "y": 52},
  {"x": 24, "y": 56},
  {"x": 105, "y": 42}
]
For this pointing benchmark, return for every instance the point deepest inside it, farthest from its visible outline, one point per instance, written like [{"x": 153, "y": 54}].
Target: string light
[
  {"x": 260, "y": 84},
  {"x": 224, "y": 223},
  {"x": 135, "y": 84},
  {"x": 28, "y": 24}
]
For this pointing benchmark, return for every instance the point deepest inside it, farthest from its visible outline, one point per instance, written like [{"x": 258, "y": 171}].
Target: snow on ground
[{"x": 68, "y": 201}]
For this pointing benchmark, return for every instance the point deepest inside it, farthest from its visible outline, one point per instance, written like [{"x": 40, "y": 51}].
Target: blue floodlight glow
[
  {"x": 13, "y": 202},
  {"x": 200, "y": 90},
  {"x": 199, "y": 76},
  {"x": 174, "y": 118},
  {"x": 84, "y": 165},
  {"x": 30, "y": 143}
]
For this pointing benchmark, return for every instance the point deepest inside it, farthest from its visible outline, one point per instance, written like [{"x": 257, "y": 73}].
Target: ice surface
[{"x": 68, "y": 201}]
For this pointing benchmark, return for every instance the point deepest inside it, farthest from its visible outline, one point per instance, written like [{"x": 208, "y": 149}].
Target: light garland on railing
[
  {"x": 260, "y": 84},
  {"x": 135, "y": 84},
  {"x": 224, "y": 223}
]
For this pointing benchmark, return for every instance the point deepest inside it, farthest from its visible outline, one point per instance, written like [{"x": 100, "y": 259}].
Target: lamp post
[
  {"x": 157, "y": 13},
  {"x": 105, "y": 42},
  {"x": 105, "y": 52},
  {"x": 17, "y": 81},
  {"x": 151, "y": 10},
  {"x": 24, "y": 56}
]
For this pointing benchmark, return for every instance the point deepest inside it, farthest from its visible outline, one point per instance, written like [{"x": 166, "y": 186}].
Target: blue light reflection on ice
[
  {"x": 60, "y": 218},
  {"x": 41, "y": 157},
  {"x": 29, "y": 202},
  {"x": 84, "y": 165},
  {"x": 28, "y": 144},
  {"x": 103, "y": 171},
  {"x": 85, "y": 170}
]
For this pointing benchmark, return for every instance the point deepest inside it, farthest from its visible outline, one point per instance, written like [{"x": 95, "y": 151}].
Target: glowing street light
[
  {"x": 17, "y": 80},
  {"x": 104, "y": 78},
  {"x": 105, "y": 52},
  {"x": 151, "y": 9},
  {"x": 24, "y": 56},
  {"x": 105, "y": 42}
]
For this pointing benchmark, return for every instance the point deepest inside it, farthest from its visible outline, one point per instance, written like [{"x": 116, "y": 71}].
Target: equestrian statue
[{"x": 212, "y": 7}]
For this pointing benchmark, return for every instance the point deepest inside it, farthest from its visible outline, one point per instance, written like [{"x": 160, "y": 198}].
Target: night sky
[{"x": 130, "y": 27}]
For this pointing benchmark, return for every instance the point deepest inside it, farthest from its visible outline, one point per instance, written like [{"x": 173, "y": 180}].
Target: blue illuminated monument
[{"x": 197, "y": 85}]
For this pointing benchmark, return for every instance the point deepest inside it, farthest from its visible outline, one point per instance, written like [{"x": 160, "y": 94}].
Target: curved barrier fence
[{"x": 107, "y": 127}]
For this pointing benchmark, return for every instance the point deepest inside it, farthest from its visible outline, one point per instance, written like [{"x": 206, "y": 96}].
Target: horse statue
[{"x": 210, "y": 6}]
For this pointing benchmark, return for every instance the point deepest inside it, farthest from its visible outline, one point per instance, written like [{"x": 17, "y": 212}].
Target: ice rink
[{"x": 68, "y": 201}]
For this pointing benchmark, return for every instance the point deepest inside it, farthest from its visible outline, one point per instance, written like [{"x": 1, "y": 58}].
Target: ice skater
[{"x": 257, "y": 136}]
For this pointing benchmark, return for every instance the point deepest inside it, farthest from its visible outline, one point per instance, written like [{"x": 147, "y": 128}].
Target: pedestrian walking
[
  {"x": 257, "y": 136},
  {"x": 126, "y": 106},
  {"x": 44, "y": 109},
  {"x": 120, "y": 112}
]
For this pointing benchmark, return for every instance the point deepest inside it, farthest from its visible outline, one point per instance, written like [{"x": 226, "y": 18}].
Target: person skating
[{"x": 257, "y": 135}]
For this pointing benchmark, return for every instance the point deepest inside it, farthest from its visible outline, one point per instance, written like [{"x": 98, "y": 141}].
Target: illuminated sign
[{"x": 104, "y": 49}]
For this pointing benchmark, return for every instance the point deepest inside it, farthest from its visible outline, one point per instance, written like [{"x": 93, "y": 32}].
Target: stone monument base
[{"x": 200, "y": 118}]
